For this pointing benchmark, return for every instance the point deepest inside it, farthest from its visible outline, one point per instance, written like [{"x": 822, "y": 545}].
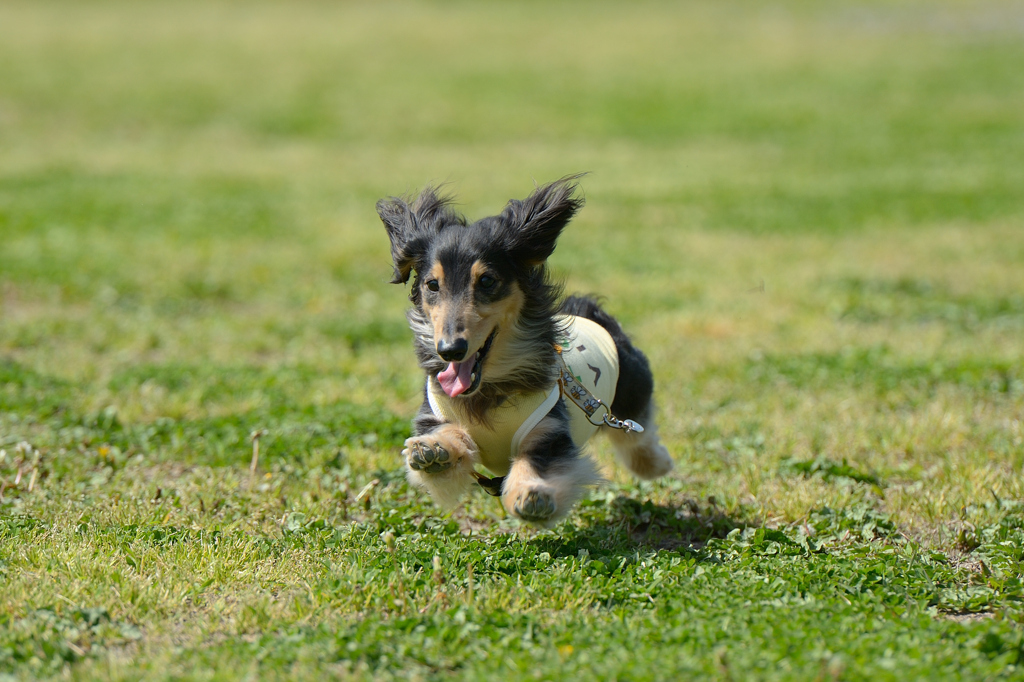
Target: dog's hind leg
[
  {"x": 439, "y": 458},
  {"x": 549, "y": 475},
  {"x": 641, "y": 453}
]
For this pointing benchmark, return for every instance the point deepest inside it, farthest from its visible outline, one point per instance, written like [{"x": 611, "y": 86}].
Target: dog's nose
[{"x": 454, "y": 351}]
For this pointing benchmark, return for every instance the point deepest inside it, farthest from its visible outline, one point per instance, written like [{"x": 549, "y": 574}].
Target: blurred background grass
[{"x": 809, "y": 214}]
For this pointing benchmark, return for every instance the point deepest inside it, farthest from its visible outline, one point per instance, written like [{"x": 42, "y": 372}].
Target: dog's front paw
[
  {"x": 535, "y": 506},
  {"x": 441, "y": 462},
  {"x": 439, "y": 450},
  {"x": 544, "y": 501},
  {"x": 430, "y": 457}
]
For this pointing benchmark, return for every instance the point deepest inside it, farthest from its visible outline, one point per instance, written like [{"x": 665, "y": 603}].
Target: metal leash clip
[
  {"x": 573, "y": 389},
  {"x": 627, "y": 425}
]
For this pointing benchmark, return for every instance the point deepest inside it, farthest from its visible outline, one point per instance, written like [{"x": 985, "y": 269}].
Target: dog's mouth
[{"x": 463, "y": 378}]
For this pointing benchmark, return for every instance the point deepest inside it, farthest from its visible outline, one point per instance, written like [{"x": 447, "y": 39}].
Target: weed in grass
[{"x": 826, "y": 468}]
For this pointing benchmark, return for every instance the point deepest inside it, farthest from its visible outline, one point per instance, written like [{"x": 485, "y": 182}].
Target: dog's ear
[
  {"x": 410, "y": 228},
  {"x": 532, "y": 225},
  {"x": 400, "y": 223}
]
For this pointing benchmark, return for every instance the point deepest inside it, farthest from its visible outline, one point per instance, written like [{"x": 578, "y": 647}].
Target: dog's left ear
[
  {"x": 532, "y": 225},
  {"x": 410, "y": 228}
]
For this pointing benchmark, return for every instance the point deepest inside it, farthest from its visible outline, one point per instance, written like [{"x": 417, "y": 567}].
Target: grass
[{"x": 808, "y": 214}]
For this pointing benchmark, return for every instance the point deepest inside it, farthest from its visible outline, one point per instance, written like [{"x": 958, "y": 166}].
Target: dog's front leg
[
  {"x": 439, "y": 458},
  {"x": 549, "y": 474}
]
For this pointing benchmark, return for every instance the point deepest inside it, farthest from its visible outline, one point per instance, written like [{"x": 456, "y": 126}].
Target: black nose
[{"x": 454, "y": 351}]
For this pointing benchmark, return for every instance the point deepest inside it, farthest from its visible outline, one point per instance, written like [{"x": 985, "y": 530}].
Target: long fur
[{"x": 484, "y": 288}]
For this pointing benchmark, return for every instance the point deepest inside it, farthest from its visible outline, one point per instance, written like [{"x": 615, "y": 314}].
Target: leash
[{"x": 571, "y": 387}]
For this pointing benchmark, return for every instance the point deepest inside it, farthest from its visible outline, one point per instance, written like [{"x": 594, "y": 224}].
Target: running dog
[{"x": 517, "y": 380}]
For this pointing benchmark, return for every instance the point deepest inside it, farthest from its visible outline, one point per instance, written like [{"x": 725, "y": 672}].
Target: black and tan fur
[{"x": 484, "y": 287}]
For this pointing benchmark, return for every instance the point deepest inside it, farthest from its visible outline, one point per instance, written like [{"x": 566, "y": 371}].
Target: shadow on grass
[{"x": 624, "y": 526}]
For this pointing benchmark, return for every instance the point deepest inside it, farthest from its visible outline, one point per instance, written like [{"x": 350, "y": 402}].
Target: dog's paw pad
[
  {"x": 440, "y": 454},
  {"x": 430, "y": 459},
  {"x": 535, "y": 505}
]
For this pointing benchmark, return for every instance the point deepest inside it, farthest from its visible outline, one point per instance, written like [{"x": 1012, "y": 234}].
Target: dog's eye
[
  {"x": 433, "y": 285},
  {"x": 487, "y": 282}
]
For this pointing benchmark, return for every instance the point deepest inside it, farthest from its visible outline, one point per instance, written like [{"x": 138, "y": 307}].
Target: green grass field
[{"x": 810, "y": 215}]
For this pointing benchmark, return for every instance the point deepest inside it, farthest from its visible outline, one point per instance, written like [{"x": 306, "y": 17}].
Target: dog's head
[{"x": 475, "y": 283}]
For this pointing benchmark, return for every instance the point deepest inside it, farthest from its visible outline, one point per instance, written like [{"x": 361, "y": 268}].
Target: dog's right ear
[
  {"x": 400, "y": 222},
  {"x": 411, "y": 228}
]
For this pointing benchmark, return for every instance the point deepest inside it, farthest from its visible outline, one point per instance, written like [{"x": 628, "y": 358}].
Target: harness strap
[{"x": 527, "y": 426}]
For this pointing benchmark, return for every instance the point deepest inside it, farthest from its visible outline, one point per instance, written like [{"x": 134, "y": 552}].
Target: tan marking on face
[
  {"x": 476, "y": 321},
  {"x": 503, "y": 357},
  {"x": 501, "y": 314},
  {"x": 436, "y": 272},
  {"x": 436, "y": 313},
  {"x": 505, "y": 311}
]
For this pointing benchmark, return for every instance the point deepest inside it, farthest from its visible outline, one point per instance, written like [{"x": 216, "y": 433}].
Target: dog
[{"x": 517, "y": 379}]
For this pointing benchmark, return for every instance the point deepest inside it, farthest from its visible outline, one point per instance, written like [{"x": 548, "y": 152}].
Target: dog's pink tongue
[{"x": 456, "y": 378}]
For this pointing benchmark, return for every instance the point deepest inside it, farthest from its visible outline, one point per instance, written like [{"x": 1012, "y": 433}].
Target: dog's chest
[
  {"x": 590, "y": 355},
  {"x": 499, "y": 439}
]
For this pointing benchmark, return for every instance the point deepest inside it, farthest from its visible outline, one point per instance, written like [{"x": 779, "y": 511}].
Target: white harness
[{"x": 587, "y": 374}]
